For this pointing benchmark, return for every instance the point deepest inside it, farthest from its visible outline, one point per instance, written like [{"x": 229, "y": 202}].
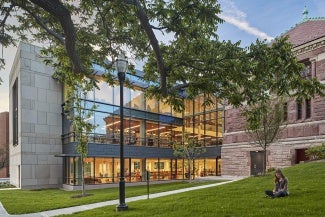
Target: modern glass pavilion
[{"x": 149, "y": 128}]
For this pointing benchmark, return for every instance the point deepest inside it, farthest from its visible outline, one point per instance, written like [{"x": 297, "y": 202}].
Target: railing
[{"x": 104, "y": 139}]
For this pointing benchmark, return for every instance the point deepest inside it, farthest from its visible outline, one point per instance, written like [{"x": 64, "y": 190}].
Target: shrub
[
  {"x": 316, "y": 152},
  {"x": 6, "y": 185}
]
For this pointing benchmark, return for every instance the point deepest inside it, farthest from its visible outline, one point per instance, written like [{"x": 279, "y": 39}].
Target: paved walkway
[{"x": 70, "y": 210}]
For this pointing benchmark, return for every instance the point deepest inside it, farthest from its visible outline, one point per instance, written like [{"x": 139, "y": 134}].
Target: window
[
  {"x": 299, "y": 110},
  {"x": 285, "y": 111},
  {"x": 15, "y": 113},
  {"x": 306, "y": 72},
  {"x": 308, "y": 108}
]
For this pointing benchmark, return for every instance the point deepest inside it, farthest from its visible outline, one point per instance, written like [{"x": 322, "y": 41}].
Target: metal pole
[{"x": 122, "y": 205}]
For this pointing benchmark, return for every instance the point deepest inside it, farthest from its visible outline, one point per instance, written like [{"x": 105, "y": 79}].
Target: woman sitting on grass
[{"x": 280, "y": 186}]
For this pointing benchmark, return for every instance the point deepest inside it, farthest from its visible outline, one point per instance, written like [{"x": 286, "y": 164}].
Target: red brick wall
[
  {"x": 4, "y": 139},
  {"x": 299, "y": 134}
]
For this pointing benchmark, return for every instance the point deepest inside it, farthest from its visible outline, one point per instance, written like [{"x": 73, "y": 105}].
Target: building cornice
[{"x": 309, "y": 46}]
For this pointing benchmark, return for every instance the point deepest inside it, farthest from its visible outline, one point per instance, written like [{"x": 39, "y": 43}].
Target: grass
[
  {"x": 243, "y": 198},
  {"x": 31, "y": 201}
]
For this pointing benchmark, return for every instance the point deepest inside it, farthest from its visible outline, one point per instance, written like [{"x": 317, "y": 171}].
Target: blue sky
[{"x": 246, "y": 20}]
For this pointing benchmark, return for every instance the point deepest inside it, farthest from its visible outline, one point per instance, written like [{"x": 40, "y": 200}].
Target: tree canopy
[{"x": 178, "y": 41}]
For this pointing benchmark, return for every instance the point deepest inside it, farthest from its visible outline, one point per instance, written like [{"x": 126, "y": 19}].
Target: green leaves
[{"x": 188, "y": 54}]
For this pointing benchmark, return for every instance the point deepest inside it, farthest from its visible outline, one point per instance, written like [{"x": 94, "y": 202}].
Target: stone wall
[
  {"x": 33, "y": 160},
  {"x": 299, "y": 134}
]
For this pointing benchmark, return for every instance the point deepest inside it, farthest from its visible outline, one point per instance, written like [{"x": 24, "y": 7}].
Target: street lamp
[{"x": 121, "y": 66}]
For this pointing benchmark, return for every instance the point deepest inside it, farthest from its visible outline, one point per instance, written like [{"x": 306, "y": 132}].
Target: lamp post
[{"x": 121, "y": 66}]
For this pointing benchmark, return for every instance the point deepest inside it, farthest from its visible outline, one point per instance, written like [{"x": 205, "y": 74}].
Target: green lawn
[
  {"x": 241, "y": 199},
  {"x": 31, "y": 201}
]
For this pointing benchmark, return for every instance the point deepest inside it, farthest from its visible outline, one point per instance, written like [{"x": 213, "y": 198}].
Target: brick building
[
  {"x": 4, "y": 143},
  {"x": 306, "y": 121}
]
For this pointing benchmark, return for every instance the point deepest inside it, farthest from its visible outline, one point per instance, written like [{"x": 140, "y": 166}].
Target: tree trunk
[
  {"x": 264, "y": 162},
  {"x": 83, "y": 177}
]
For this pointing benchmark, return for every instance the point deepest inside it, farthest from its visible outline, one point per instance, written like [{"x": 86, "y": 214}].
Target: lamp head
[{"x": 121, "y": 63}]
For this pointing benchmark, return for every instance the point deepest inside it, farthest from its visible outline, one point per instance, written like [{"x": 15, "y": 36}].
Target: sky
[{"x": 245, "y": 21}]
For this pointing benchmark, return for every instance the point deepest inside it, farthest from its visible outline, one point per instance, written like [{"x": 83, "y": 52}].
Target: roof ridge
[{"x": 303, "y": 21}]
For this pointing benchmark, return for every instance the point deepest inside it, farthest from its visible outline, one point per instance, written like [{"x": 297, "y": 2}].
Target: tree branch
[
  {"x": 141, "y": 14},
  {"x": 43, "y": 25},
  {"x": 58, "y": 10}
]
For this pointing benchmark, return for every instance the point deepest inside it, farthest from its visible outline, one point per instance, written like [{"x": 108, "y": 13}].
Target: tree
[
  {"x": 86, "y": 32},
  {"x": 190, "y": 149},
  {"x": 265, "y": 124},
  {"x": 80, "y": 113}
]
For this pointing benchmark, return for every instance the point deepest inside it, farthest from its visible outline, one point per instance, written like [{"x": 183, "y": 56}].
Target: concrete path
[{"x": 70, "y": 210}]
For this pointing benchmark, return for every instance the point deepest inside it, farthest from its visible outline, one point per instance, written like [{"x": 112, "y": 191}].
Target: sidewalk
[{"x": 85, "y": 207}]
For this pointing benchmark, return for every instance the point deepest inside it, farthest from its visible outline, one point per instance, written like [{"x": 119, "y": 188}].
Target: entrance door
[
  {"x": 257, "y": 158},
  {"x": 301, "y": 155}
]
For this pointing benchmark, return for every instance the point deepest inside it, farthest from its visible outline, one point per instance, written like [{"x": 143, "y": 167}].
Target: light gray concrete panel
[
  {"x": 26, "y": 147},
  {"x": 52, "y": 96},
  {"x": 55, "y": 108},
  {"x": 26, "y": 103},
  {"x": 25, "y": 64},
  {"x": 55, "y": 171},
  {"x": 41, "y": 95},
  {"x": 28, "y": 127},
  {"x": 42, "y": 130},
  {"x": 52, "y": 119},
  {"x": 42, "y": 182},
  {"x": 55, "y": 131},
  {"x": 43, "y": 148},
  {"x": 37, "y": 66},
  {"x": 42, "y": 159},
  {"x": 25, "y": 183},
  {"x": 27, "y": 172},
  {"x": 43, "y": 106},
  {"x": 28, "y": 159},
  {"x": 26, "y": 47},
  {"x": 25, "y": 78},
  {"x": 42, "y": 81},
  {"x": 28, "y": 92},
  {"x": 41, "y": 117},
  {"x": 28, "y": 116},
  {"x": 42, "y": 171}
]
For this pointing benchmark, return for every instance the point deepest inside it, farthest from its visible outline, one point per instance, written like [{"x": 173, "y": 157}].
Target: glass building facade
[{"x": 149, "y": 128}]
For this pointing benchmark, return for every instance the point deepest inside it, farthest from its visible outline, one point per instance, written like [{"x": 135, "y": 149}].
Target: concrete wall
[{"x": 32, "y": 162}]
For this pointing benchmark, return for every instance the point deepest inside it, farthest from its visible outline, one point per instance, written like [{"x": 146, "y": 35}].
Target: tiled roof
[{"x": 306, "y": 31}]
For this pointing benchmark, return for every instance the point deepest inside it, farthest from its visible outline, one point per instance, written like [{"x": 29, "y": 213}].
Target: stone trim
[{"x": 301, "y": 49}]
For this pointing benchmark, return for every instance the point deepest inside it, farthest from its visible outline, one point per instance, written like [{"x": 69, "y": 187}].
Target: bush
[
  {"x": 6, "y": 185},
  {"x": 316, "y": 152}
]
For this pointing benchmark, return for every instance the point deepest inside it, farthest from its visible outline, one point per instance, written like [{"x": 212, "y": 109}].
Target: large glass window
[
  {"x": 152, "y": 133},
  {"x": 126, "y": 97},
  {"x": 137, "y": 99},
  {"x": 104, "y": 170},
  {"x": 89, "y": 171},
  {"x": 152, "y": 105},
  {"x": 15, "y": 113},
  {"x": 152, "y": 167},
  {"x": 165, "y": 108},
  {"x": 136, "y": 170},
  {"x": 105, "y": 93}
]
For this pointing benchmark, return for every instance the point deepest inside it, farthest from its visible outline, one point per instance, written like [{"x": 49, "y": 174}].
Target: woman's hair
[{"x": 278, "y": 171}]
